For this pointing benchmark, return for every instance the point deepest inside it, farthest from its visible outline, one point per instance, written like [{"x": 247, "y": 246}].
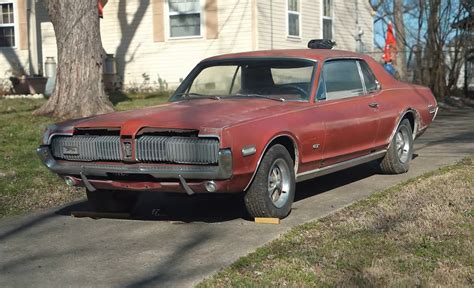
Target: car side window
[
  {"x": 342, "y": 79},
  {"x": 369, "y": 77},
  {"x": 321, "y": 94}
]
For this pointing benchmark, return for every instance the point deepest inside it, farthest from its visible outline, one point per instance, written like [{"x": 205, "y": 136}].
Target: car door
[{"x": 348, "y": 110}]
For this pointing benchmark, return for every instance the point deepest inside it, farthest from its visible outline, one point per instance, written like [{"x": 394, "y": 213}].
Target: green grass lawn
[
  {"x": 25, "y": 184},
  {"x": 417, "y": 234}
]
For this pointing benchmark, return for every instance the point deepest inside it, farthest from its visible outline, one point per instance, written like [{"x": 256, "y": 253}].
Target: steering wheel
[{"x": 293, "y": 87}]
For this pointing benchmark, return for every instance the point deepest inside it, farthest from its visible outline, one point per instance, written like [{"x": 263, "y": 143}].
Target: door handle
[{"x": 374, "y": 105}]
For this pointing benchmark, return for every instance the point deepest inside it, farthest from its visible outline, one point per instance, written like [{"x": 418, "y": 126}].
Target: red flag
[{"x": 390, "y": 45}]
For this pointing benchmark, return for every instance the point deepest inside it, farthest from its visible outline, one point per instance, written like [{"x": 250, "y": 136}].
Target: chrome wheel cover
[
  {"x": 402, "y": 141},
  {"x": 279, "y": 183}
]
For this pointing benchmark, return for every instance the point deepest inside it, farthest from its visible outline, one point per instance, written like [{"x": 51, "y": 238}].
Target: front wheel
[
  {"x": 272, "y": 191},
  {"x": 111, "y": 201},
  {"x": 399, "y": 154}
]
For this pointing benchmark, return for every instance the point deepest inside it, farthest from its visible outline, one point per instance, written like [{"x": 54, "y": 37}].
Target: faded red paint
[{"x": 344, "y": 128}]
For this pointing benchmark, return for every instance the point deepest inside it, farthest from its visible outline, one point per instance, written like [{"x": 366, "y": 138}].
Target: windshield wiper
[
  {"x": 188, "y": 96},
  {"x": 261, "y": 96}
]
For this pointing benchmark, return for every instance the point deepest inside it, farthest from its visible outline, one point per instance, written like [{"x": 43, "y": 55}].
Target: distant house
[{"x": 158, "y": 41}]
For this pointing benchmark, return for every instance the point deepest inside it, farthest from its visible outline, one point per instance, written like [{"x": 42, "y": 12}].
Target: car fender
[
  {"x": 416, "y": 122},
  {"x": 268, "y": 145}
]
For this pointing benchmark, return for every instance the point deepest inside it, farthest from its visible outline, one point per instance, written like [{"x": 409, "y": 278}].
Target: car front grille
[
  {"x": 86, "y": 148},
  {"x": 151, "y": 149},
  {"x": 177, "y": 150}
]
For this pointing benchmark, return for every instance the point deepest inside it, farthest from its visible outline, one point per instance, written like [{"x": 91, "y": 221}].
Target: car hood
[{"x": 191, "y": 114}]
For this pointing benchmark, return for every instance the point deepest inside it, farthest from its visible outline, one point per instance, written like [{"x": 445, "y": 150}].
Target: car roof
[{"x": 313, "y": 54}]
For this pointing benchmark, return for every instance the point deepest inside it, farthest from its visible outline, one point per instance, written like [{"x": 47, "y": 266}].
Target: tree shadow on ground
[{"x": 212, "y": 208}]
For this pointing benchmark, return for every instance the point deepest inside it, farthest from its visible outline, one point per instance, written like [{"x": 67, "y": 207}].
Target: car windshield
[{"x": 273, "y": 79}]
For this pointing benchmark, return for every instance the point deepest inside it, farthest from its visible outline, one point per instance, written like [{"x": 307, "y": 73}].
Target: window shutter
[
  {"x": 158, "y": 20},
  {"x": 212, "y": 27},
  {"x": 22, "y": 25}
]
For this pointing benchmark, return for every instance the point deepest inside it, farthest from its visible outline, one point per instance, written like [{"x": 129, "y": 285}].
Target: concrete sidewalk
[{"x": 177, "y": 241}]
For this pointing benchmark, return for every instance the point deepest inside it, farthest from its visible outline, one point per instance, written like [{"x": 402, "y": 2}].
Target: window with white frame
[
  {"x": 294, "y": 18},
  {"x": 327, "y": 19},
  {"x": 7, "y": 24},
  {"x": 184, "y": 18}
]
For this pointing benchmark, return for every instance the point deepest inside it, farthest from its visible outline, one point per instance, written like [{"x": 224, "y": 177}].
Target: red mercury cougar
[{"x": 255, "y": 122}]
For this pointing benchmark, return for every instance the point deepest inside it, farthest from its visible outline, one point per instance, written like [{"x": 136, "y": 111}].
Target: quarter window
[
  {"x": 184, "y": 18},
  {"x": 294, "y": 18},
  {"x": 321, "y": 94},
  {"x": 369, "y": 77},
  {"x": 7, "y": 24},
  {"x": 327, "y": 19},
  {"x": 342, "y": 79}
]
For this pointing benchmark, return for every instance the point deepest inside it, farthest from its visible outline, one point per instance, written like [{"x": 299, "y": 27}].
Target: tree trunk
[
  {"x": 79, "y": 90},
  {"x": 401, "y": 61},
  {"x": 434, "y": 58}
]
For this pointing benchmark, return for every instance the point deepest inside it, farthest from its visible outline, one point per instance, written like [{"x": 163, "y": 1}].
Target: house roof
[{"x": 313, "y": 54}]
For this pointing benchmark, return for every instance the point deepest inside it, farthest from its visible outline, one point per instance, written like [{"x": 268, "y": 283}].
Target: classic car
[{"x": 253, "y": 123}]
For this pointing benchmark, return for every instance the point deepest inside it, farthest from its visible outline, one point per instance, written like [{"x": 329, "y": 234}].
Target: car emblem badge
[
  {"x": 127, "y": 149},
  {"x": 70, "y": 150}
]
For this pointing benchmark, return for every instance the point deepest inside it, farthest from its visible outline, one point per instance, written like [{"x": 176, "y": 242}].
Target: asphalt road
[{"x": 177, "y": 241}]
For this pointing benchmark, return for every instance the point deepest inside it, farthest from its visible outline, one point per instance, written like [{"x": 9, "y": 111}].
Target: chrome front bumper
[{"x": 221, "y": 171}]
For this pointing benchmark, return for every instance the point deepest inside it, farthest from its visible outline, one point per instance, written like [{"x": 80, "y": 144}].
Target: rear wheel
[
  {"x": 272, "y": 191},
  {"x": 111, "y": 201},
  {"x": 399, "y": 154}
]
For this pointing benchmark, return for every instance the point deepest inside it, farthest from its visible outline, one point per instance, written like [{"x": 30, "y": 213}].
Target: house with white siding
[{"x": 157, "y": 41}]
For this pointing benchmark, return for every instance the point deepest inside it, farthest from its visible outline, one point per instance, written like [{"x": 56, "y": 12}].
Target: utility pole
[{"x": 359, "y": 31}]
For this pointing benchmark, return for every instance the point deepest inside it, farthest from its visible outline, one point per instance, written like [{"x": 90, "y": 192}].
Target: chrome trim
[
  {"x": 243, "y": 58},
  {"x": 57, "y": 134},
  {"x": 177, "y": 149},
  {"x": 435, "y": 114},
  {"x": 265, "y": 150},
  {"x": 377, "y": 83},
  {"x": 249, "y": 150},
  {"x": 361, "y": 76},
  {"x": 409, "y": 110},
  {"x": 343, "y": 58},
  {"x": 87, "y": 148},
  {"x": 209, "y": 136},
  {"x": 433, "y": 110},
  {"x": 339, "y": 166},
  {"x": 164, "y": 171}
]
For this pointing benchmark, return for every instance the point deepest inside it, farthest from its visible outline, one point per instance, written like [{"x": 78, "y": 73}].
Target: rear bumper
[{"x": 222, "y": 171}]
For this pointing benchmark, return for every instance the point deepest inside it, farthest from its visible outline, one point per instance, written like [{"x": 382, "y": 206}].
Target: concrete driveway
[{"x": 177, "y": 241}]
